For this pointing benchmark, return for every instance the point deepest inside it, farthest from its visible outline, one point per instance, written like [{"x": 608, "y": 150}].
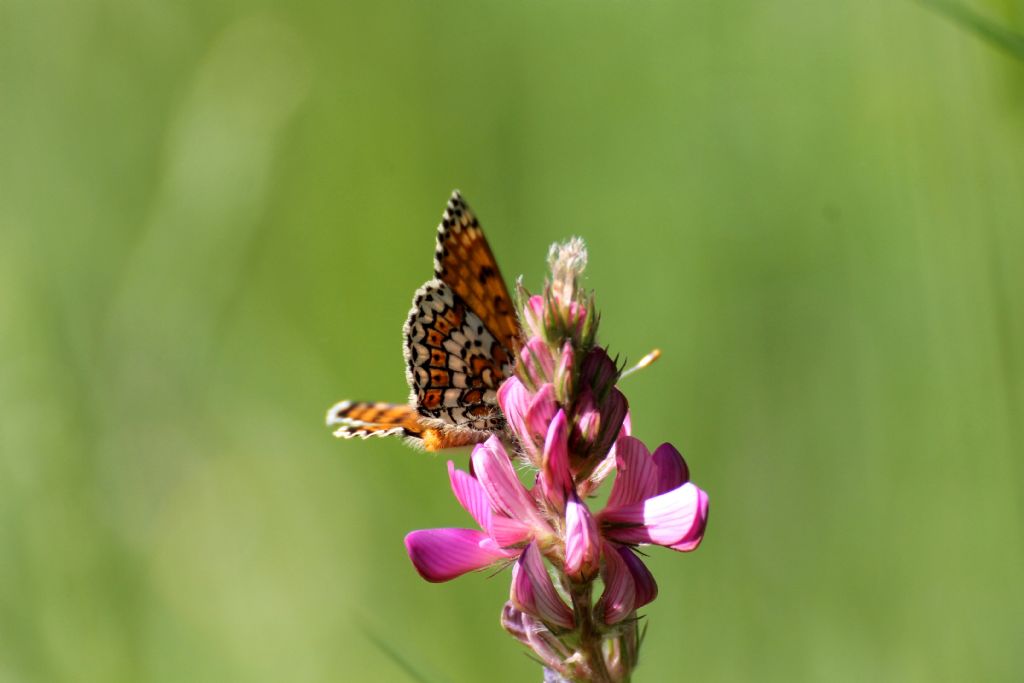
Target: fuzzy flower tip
[{"x": 568, "y": 423}]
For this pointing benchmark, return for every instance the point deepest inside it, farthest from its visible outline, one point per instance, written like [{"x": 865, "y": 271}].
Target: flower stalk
[{"x": 569, "y": 424}]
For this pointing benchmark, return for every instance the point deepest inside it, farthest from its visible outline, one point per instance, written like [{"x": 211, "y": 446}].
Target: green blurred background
[{"x": 212, "y": 219}]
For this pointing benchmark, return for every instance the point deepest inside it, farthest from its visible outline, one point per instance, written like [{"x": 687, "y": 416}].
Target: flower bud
[
  {"x": 536, "y": 636},
  {"x": 618, "y": 600},
  {"x": 582, "y": 541},
  {"x": 533, "y": 593},
  {"x": 555, "y": 477},
  {"x": 537, "y": 362},
  {"x": 563, "y": 376},
  {"x": 533, "y": 318}
]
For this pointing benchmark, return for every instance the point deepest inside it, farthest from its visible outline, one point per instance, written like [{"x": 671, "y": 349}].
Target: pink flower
[
  {"x": 498, "y": 502},
  {"x": 570, "y": 424},
  {"x": 533, "y": 593},
  {"x": 551, "y": 320},
  {"x": 652, "y": 500},
  {"x": 582, "y": 541},
  {"x": 528, "y": 414},
  {"x": 537, "y": 636}
]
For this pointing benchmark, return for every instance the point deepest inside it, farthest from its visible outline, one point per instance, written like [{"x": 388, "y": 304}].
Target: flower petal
[
  {"x": 538, "y": 416},
  {"x": 672, "y": 469},
  {"x": 535, "y": 635},
  {"x": 563, "y": 371},
  {"x": 497, "y": 477},
  {"x": 533, "y": 592},
  {"x": 675, "y": 517},
  {"x": 613, "y": 413},
  {"x": 636, "y": 475},
  {"x": 514, "y": 399},
  {"x": 538, "y": 361},
  {"x": 443, "y": 554},
  {"x": 577, "y": 317},
  {"x": 533, "y": 316},
  {"x": 470, "y": 495},
  {"x": 582, "y": 541},
  {"x": 619, "y": 598},
  {"x": 556, "y": 479},
  {"x": 693, "y": 539},
  {"x": 646, "y": 586},
  {"x": 508, "y": 532},
  {"x": 599, "y": 370},
  {"x": 587, "y": 428}
]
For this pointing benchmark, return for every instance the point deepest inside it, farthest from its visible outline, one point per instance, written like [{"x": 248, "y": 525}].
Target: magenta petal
[
  {"x": 514, "y": 399},
  {"x": 614, "y": 409},
  {"x": 538, "y": 416},
  {"x": 508, "y": 532},
  {"x": 672, "y": 469},
  {"x": 646, "y": 586},
  {"x": 535, "y": 635},
  {"x": 497, "y": 477},
  {"x": 599, "y": 370},
  {"x": 607, "y": 464},
  {"x": 582, "y": 542},
  {"x": 619, "y": 598},
  {"x": 563, "y": 371},
  {"x": 556, "y": 479},
  {"x": 533, "y": 592},
  {"x": 533, "y": 316},
  {"x": 636, "y": 475},
  {"x": 588, "y": 419},
  {"x": 538, "y": 361},
  {"x": 470, "y": 495},
  {"x": 677, "y": 516},
  {"x": 443, "y": 554},
  {"x": 577, "y": 317},
  {"x": 696, "y": 535}
]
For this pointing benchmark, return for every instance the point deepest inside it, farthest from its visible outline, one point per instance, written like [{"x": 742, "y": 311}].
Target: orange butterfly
[{"x": 461, "y": 339}]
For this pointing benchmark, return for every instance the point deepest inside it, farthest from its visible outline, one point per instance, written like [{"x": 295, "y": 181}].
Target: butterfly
[{"x": 461, "y": 341}]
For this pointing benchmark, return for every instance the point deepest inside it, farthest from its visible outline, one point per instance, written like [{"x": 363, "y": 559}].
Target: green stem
[{"x": 590, "y": 635}]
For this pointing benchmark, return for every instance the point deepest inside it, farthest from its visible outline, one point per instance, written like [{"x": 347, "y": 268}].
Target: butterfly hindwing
[
  {"x": 454, "y": 364},
  {"x": 463, "y": 260},
  {"x": 362, "y": 419}
]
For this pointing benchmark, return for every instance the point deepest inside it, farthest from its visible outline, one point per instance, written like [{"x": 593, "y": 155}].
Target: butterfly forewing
[{"x": 463, "y": 260}]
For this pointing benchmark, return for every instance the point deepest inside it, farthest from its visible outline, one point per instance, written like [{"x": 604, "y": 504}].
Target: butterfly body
[{"x": 460, "y": 343}]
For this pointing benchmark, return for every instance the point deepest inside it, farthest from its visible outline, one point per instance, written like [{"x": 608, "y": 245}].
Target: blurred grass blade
[
  {"x": 988, "y": 30},
  {"x": 395, "y": 656}
]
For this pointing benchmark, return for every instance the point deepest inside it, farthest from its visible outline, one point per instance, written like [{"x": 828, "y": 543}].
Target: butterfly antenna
[{"x": 643, "y": 363}]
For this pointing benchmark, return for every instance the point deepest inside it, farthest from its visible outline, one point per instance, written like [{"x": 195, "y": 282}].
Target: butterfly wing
[
  {"x": 460, "y": 339},
  {"x": 454, "y": 364},
  {"x": 356, "y": 418},
  {"x": 463, "y": 261}
]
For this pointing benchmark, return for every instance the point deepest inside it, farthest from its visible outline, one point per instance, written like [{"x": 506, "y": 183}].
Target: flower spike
[{"x": 564, "y": 419}]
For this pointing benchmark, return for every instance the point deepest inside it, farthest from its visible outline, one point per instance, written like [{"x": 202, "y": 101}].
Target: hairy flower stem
[{"x": 589, "y": 633}]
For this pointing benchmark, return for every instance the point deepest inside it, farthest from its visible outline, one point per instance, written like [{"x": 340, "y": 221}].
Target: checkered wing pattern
[
  {"x": 454, "y": 363},
  {"x": 461, "y": 337},
  {"x": 463, "y": 261},
  {"x": 356, "y": 418}
]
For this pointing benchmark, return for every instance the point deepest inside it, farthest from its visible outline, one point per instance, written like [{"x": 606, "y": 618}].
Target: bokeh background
[{"x": 212, "y": 219}]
